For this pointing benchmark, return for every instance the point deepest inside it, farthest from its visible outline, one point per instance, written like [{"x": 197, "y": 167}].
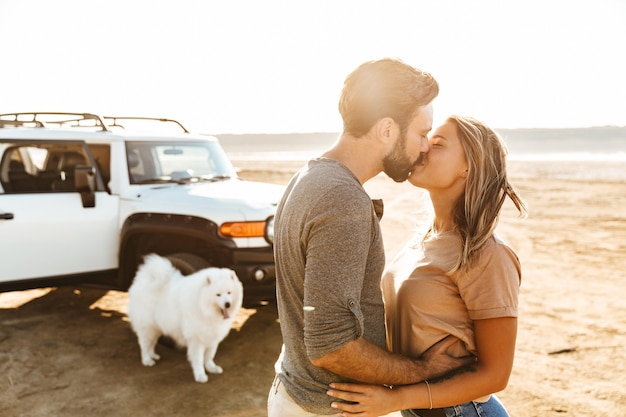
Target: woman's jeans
[{"x": 491, "y": 408}]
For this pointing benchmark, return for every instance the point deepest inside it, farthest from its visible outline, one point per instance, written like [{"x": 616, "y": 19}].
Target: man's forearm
[{"x": 363, "y": 361}]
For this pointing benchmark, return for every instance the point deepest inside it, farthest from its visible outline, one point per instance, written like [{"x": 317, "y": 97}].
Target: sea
[{"x": 594, "y": 153}]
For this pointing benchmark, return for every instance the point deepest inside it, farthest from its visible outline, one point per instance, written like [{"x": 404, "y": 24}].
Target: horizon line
[{"x": 495, "y": 128}]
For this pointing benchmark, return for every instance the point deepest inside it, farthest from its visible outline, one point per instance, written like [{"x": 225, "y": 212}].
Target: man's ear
[{"x": 386, "y": 130}]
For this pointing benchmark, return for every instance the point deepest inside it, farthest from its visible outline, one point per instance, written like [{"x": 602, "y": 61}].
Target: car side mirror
[{"x": 85, "y": 183}]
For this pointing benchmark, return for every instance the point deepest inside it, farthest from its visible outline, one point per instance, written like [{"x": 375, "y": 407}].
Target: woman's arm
[{"x": 495, "y": 345}]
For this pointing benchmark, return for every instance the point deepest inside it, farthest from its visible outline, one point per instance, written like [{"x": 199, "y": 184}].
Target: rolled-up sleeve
[{"x": 337, "y": 247}]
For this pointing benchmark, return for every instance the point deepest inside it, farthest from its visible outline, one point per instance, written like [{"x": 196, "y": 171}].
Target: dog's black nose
[{"x": 227, "y": 305}]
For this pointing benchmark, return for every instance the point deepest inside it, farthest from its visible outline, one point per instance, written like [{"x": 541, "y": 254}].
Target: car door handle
[{"x": 6, "y": 216}]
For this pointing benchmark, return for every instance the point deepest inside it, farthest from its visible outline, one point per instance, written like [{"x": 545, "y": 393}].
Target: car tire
[{"x": 188, "y": 263}]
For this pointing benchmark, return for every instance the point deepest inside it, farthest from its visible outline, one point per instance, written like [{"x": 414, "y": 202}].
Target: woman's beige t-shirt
[{"x": 424, "y": 304}]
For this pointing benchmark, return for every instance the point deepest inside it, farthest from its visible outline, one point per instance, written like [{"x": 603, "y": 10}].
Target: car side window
[
  {"x": 20, "y": 168},
  {"x": 40, "y": 167}
]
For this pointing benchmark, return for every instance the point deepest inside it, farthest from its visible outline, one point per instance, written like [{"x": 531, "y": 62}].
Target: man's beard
[{"x": 396, "y": 164}]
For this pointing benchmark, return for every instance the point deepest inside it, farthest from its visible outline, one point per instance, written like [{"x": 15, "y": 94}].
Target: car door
[{"x": 47, "y": 228}]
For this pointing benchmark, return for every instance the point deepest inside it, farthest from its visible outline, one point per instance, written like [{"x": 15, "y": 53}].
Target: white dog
[{"x": 196, "y": 311}]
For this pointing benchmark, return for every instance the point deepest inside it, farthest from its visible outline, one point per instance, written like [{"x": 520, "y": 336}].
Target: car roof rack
[
  {"x": 52, "y": 119},
  {"x": 73, "y": 120},
  {"x": 114, "y": 121}
]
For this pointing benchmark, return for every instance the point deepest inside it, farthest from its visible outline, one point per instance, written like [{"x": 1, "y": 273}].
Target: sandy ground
[{"x": 70, "y": 351}]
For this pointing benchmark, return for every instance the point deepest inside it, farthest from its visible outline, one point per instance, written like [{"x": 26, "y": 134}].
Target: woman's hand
[{"x": 363, "y": 400}]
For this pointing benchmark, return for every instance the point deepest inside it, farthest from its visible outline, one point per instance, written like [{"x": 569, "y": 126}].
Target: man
[{"x": 329, "y": 249}]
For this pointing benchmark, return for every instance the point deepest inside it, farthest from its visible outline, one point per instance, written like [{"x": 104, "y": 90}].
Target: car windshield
[{"x": 157, "y": 162}]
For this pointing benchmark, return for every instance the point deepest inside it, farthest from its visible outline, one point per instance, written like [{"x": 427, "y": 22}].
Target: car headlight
[{"x": 269, "y": 230}]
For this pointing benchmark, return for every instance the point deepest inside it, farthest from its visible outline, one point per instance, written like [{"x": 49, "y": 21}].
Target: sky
[{"x": 278, "y": 66}]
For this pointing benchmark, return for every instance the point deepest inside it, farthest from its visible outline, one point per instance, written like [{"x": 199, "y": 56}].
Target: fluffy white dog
[{"x": 196, "y": 311}]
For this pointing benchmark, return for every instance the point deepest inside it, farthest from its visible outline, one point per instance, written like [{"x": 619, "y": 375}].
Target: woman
[{"x": 455, "y": 278}]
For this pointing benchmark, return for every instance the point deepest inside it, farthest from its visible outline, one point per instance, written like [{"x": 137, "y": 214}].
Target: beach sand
[
  {"x": 70, "y": 351},
  {"x": 571, "y": 354}
]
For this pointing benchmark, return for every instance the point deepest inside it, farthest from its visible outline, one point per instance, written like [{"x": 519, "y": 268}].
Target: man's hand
[{"x": 437, "y": 363}]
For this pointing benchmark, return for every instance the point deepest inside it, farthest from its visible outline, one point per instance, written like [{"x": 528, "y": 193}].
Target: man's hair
[
  {"x": 476, "y": 212},
  {"x": 384, "y": 88}
]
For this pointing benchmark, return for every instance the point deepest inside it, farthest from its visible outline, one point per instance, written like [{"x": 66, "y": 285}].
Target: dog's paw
[
  {"x": 149, "y": 360},
  {"x": 214, "y": 369},
  {"x": 201, "y": 377}
]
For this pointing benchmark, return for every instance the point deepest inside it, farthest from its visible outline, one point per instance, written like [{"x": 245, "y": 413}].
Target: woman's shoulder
[
  {"x": 495, "y": 244},
  {"x": 496, "y": 251}
]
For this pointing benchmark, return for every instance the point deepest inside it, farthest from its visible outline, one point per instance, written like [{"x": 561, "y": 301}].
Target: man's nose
[{"x": 425, "y": 145}]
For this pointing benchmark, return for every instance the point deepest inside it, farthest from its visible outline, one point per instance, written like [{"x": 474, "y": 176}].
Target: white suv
[{"x": 83, "y": 198}]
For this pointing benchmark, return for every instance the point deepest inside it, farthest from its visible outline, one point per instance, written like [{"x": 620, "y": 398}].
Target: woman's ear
[{"x": 464, "y": 174}]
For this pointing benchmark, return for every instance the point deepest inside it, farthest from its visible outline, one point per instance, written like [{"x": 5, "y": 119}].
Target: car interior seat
[
  {"x": 67, "y": 166},
  {"x": 19, "y": 179}
]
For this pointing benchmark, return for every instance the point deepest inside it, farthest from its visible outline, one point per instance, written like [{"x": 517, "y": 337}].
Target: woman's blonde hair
[{"x": 477, "y": 211}]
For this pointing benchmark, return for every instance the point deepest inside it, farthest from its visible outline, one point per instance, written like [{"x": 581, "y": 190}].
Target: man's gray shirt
[{"x": 329, "y": 260}]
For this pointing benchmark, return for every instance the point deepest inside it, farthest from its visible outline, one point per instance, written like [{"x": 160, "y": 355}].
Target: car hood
[{"x": 248, "y": 197}]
